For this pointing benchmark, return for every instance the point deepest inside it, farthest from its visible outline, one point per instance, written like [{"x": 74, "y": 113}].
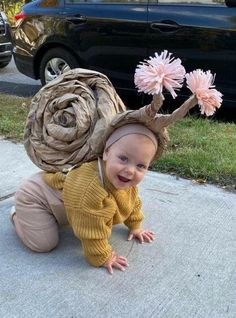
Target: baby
[{"x": 91, "y": 198}]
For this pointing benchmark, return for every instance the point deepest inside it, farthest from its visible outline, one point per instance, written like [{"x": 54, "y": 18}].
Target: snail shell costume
[{"x": 71, "y": 118}]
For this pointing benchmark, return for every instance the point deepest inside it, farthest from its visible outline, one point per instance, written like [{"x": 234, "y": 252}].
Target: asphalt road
[{"x": 13, "y": 82}]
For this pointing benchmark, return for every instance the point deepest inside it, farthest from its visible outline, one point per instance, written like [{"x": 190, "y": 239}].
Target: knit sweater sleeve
[
  {"x": 133, "y": 222},
  {"x": 90, "y": 211},
  {"x": 94, "y": 231}
]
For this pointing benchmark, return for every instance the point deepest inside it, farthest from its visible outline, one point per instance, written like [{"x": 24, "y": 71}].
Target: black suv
[
  {"x": 112, "y": 37},
  {"x": 5, "y": 41}
]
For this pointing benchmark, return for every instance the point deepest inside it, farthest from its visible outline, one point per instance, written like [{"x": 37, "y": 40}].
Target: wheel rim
[{"x": 55, "y": 67}]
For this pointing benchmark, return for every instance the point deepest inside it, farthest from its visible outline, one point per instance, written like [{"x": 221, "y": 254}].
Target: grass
[
  {"x": 199, "y": 148},
  {"x": 13, "y": 112}
]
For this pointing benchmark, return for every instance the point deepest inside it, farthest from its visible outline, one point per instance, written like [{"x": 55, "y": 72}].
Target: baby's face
[{"x": 128, "y": 159}]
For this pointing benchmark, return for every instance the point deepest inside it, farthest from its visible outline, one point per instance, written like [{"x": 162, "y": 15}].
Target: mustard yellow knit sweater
[{"x": 92, "y": 209}]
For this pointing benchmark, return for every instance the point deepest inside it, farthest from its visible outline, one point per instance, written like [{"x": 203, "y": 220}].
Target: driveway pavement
[
  {"x": 189, "y": 271},
  {"x": 14, "y": 83}
]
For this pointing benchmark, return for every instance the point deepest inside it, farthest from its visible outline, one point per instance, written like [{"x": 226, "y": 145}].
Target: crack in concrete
[{"x": 7, "y": 196}]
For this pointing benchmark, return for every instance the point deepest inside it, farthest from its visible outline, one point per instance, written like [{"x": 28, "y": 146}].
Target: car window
[
  {"x": 191, "y": 2},
  {"x": 104, "y": 1}
]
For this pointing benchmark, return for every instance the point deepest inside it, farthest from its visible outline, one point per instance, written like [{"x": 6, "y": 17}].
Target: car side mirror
[{"x": 230, "y": 3}]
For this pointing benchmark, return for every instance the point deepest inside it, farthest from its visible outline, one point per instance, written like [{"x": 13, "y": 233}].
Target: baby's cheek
[{"x": 141, "y": 175}]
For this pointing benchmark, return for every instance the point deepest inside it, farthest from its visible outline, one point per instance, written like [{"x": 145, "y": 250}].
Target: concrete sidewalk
[{"x": 189, "y": 271}]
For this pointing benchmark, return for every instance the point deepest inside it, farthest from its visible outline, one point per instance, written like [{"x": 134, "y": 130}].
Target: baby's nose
[{"x": 130, "y": 170}]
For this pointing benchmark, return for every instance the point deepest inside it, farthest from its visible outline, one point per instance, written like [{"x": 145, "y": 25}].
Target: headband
[{"x": 130, "y": 129}]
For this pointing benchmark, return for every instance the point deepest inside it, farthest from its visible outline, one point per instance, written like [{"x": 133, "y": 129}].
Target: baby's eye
[
  {"x": 141, "y": 166},
  {"x": 123, "y": 158}
]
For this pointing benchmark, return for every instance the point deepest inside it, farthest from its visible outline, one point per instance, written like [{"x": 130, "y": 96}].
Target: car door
[
  {"x": 112, "y": 38},
  {"x": 202, "y": 33}
]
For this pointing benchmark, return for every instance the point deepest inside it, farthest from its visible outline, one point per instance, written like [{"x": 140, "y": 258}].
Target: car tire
[{"x": 55, "y": 62}]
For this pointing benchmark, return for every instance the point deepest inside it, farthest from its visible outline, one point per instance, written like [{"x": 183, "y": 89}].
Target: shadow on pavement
[{"x": 23, "y": 90}]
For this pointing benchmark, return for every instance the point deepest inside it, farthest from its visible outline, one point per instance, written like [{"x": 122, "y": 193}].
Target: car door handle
[
  {"x": 77, "y": 20},
  {"x": 165, "y": 26}
]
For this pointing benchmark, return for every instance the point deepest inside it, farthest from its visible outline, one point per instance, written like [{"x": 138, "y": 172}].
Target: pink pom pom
[
  {"x": 201, "y": 84},
  {"x": 159, "y": 72}
]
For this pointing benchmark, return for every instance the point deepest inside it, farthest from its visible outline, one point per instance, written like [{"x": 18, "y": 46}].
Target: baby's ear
[{"x": 104, "y": 156}]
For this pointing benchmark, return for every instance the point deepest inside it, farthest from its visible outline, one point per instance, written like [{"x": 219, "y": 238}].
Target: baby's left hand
[{"x": 142, "y": 235}]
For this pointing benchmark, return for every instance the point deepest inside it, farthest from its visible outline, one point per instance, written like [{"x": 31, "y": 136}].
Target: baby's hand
[
  {"x": 116, "y": 261},
  {"x": 142, "y": 235}
]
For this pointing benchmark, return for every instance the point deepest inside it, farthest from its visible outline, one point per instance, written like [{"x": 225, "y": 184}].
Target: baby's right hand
[{"x": 116, "y": 261}]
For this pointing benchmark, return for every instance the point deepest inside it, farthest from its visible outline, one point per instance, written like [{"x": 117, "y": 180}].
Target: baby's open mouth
[{"x": 123, "y": 179}]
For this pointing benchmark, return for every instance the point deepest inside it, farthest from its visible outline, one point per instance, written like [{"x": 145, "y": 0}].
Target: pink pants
[{"x": 39, "y": 212}]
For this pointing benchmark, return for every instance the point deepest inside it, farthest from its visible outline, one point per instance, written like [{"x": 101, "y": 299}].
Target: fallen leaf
[{"x": 201, "y": 181}]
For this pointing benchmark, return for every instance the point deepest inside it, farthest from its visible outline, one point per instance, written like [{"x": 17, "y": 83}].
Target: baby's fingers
[
  {"x": 119, "y": 266},
  {"x": 122, "y": 261},
  {"x": 121, "y": 258},
  {"x": 109, "y": 268},
  {"x": 148, "y": 236},
  {"x": 130, "y": 237}
]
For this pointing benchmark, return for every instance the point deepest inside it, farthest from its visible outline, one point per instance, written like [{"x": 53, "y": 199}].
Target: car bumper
[
  {"x": 24, "y": 64},
  {"x": 5, "y": 52}
]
